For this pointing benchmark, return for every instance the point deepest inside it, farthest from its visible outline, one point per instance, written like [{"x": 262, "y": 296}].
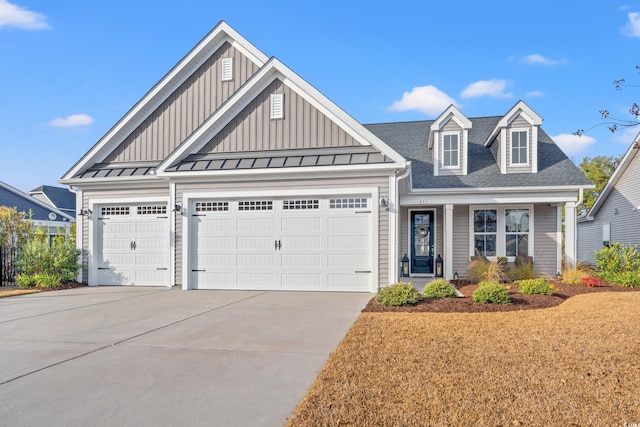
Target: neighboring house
[
  {"x": 54, "y": 220},
  {"x": 233, "y": 172},
  {"x": 58, "y": 197},
  {"x": 615, "y": 215}
]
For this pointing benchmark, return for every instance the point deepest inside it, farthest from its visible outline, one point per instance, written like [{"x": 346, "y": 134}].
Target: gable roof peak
[
  {"x": 451, "y": 112},
  {"x": 520, "y": 109}
]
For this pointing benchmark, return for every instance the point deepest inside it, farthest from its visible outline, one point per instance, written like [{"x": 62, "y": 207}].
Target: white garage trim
[
  {"x": 189, "y": 198},
  {"x": 94, "y": 204}
]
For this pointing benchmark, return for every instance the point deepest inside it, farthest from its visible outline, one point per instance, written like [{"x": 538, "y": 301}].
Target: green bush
[
  {"x": 41, "y": 263},
  {"x": 439, "y": 288},
  {"x": 25, "y": 281},
  {"x": 618, "y": 258},
  {"x": 629, "y": 279},
  {"x": 492, "y": 292},
  {"x": 398, "y": 294},
  {"x": 535, "y": 287}
]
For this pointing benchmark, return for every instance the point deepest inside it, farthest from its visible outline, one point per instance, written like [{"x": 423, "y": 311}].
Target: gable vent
[
  {"x": 277, "y": 106},
  {"x": 227, "y": 69}
]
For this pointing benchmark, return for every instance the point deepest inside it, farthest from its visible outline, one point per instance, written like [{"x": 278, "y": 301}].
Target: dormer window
[
  {"x": 451, "y": 150},
  {"x": 519, "y": 147}
]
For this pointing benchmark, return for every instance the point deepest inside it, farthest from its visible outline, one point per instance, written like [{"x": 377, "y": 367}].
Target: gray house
[
  {"x": 615, "y": 215},
  {"x": 52, "y": 219},
  {"x": 233, "y": 172}
]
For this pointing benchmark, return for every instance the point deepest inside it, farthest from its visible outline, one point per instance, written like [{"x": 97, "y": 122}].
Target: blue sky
[{"x": 69, "y": 70}]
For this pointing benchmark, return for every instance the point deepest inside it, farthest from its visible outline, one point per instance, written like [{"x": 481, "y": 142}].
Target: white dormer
[
  {"x": 449, "y": 140},
  {"x": 514, "y": 141}
]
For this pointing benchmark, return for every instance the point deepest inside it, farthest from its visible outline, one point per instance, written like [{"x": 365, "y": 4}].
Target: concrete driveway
[{"x": 114, "y": 356}]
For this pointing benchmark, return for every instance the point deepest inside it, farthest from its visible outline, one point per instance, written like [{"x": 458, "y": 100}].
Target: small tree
[
  {"x": 598, "y": 169},
  {"x": 16, "y": 228}
]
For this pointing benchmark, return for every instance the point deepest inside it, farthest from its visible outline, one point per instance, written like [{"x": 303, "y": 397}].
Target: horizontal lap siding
[
  {"x": 620, "y": 210},
  {"x": 545, "y": 240},
  {"x": 303, "y": 126},
  {"x": 461, "y": 239},
  {"x": 382, "y": 183},
  {"x": 185, "y": 110},
  {"x": 113, "y": 194}
]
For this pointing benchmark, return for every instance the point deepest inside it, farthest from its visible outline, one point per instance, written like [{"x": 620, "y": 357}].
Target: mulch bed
[{"x": 519, "y": 301}]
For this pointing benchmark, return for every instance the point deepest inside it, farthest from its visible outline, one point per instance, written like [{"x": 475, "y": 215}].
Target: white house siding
[
  {"x": 379, "y": 182},
  {"x": 620, "y": 209},
  {"x": 545, "y": 250},
  {"x": 519, "y": 123},
  {"x": 185, "y": 109},
  {"x": 303, "y": 126},
  {"x": 130, "y": 194}
]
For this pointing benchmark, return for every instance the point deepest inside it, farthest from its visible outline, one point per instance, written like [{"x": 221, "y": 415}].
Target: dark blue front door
[{"x": 422, "y": 242}]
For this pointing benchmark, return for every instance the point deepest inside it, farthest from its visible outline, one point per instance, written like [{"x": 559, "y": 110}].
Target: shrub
[
  {"x": 591, "y": 281},
  {"x": 483, "y": 270},
  {"x": 629, "y": 279},
  {"x": 439, "y": 289},
  {"x": 618, "y": 258},
  {"x": 492, "y": 292},
  {"x": 25, "y": 281},
  {"x": 574, "y": 275},
  {"x": 398, "y": 294},
  {"x": 521, "y": 270},
  {"x": 535, "y": 287},
  {"x": 42, "y": 263}
]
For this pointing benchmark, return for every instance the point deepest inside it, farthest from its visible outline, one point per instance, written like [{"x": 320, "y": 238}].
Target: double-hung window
[
  {"x": 451, "y": 150},
  {"x": 519, "y": 147},
  {"x": 501, "y": 231}
]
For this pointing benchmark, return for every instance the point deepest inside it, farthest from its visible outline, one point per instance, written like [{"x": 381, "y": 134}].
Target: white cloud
[
  {"x": 625, "y": 135},
  {"x": 427, "y": 99},
  {"x": 71, "y": 121},
  {"x": 494, "y": 88},
  {"x": 534, "y": 93},
  {"x": 573, "y": 144},
  {"x": 632, "y": 29},
  {"x": 12, "y": 15},
  {"x": 537, "y": 59}
]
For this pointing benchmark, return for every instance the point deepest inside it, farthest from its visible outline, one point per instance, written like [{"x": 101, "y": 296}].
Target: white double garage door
[{"x": 271, "y": 244}]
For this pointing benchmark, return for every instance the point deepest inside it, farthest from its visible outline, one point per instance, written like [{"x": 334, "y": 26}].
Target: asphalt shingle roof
[{"x": 410, "y": 140}]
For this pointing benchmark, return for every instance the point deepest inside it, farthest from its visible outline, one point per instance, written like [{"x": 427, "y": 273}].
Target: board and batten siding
[
  {"x": 185, "y": 109},
  {"x": 545, "y": 243},
  {"x": 620, "y": 209},
  {"x": 303, "y": 126},
  {"x": 111, "y": 194},
  {"x": 381, "y": 182},
  {"x": 519, "y": 123},
  {"x": 451, "y": 126}
]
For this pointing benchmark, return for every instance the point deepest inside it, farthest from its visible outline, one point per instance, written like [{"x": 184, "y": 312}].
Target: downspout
[{"x": 396, "y": 243}]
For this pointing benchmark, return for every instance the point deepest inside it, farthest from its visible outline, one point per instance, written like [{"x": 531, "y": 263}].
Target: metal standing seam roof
[
  {"x": 114, "y": 170},
  {"x": 360, "y": 155}
]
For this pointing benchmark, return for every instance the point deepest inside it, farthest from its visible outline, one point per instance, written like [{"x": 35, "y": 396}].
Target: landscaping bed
[{"x": 519, "y": 301}]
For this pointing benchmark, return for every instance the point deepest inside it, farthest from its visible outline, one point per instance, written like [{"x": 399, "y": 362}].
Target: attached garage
[
  {"x": 132, "y": 244},
  {"x": 308, "y": 243}
]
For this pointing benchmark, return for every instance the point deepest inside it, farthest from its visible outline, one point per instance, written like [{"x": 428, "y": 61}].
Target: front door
[{"x": 422, "y": 242}]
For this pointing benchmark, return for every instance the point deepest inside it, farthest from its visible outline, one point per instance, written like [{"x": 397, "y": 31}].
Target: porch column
[
  {"x": 448, "y": 241},
  {"x": 570, "y": 242}
]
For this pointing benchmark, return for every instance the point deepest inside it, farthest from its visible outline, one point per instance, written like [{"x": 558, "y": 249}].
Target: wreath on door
[{"x": 421, "y": 230}]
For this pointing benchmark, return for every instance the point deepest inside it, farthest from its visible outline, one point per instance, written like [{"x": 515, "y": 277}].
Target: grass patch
[
  {"x": 575, "y": 364},
  {"x": 15, "y": 292}
]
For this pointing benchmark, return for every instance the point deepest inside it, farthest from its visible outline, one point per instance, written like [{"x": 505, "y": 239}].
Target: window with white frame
[
  {"x": 519, "y": 147},
  {"x": 516, "y": 229},
  {"x": 502, "y": 231},
  {"x": 450, "y": 150},
  {"x": 485, "y": 231}
]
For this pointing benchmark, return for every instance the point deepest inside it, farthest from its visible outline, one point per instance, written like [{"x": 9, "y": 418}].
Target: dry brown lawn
[
  {"x": 577, "y": 364},
  {"x": 12, "y": 292}
]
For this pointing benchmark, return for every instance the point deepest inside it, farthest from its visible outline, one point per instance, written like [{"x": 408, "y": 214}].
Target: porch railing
[{"x": 8, "y": 257}]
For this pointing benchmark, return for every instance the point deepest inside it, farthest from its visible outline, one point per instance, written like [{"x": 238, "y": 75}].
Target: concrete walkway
[{"x": 114, "y": 356}]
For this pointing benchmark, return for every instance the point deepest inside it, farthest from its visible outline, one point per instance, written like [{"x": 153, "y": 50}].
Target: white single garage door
[
  {"x": 133, "y": 245},
  {"x": 294, "y": 244}
]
